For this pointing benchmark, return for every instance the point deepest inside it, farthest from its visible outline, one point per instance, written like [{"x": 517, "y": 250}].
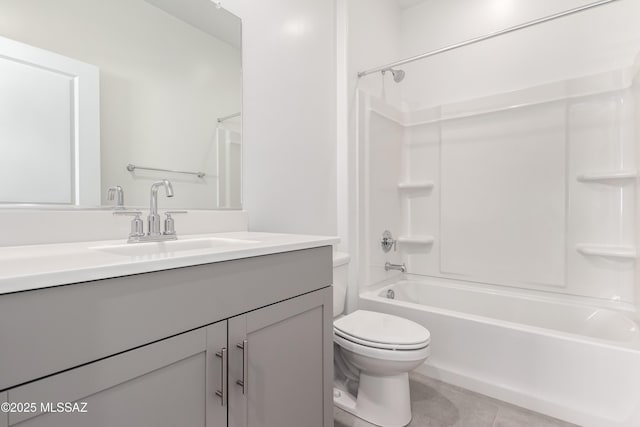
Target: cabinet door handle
[
  {"x": 222, "y": 393},
  {"x": 244, "y": 345}
]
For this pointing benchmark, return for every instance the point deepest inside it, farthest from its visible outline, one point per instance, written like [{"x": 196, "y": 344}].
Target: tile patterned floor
[{"x": 437, "y": 404}]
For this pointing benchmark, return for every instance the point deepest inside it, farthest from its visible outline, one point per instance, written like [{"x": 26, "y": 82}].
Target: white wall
[
  {"x": 163, "y": 83},
  {"x": 574, "y": 46},
  {"x": 636, "y": 121},
  {"x": 368, "y": 35},
  {"x": 373, "y": 39},
  {"x": 46, "y": 226},
  {"x": 289, "y": 132}
]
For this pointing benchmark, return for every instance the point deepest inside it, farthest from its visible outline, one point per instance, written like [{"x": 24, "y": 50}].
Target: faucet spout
[
  {"x": 116, "y": 193},
  {"x": 168, "y": 188},
  {"x": 154, "y": 218},
  {"x": 400, "y": 267}
]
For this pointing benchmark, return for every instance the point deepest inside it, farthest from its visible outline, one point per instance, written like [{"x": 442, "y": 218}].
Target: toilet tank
[{"x": 340, "y": 281}]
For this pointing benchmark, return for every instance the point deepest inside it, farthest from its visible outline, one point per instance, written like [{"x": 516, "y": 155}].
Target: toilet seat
[
  {"x": 382, "y": 354},
  {"x": 381, "y": 331}
]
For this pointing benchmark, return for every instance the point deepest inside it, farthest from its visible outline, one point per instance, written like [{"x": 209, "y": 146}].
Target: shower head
[{"x": 398, "y": 75}]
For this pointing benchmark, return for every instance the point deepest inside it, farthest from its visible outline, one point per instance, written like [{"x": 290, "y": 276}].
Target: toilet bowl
[{"x": 373, "y": 355}]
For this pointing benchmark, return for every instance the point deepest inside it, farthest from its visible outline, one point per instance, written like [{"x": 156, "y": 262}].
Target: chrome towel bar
[
  {"x": 230, "y": 116},
  {"x": 131, "y": 168}
]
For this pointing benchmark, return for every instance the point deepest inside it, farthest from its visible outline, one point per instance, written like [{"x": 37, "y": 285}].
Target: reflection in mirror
[
  {"x": 169, "y": 98},
  {"x": 49, "y": 127},
  {"x": 228, "y": 142}
]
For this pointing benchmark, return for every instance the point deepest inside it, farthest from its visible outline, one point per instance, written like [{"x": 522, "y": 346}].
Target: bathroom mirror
[{"x": 123, "y": 93}]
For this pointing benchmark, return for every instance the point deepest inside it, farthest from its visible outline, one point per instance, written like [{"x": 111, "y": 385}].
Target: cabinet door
[
  {"x": 4, "y": 417},
  {"x": 164, "y": 384},
  {"x": 217, "y": 390},
  {"x": 281, "y": 365}
]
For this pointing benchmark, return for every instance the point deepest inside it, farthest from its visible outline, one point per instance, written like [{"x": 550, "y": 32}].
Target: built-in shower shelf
[
  {"x": 608, "y": 176},
  {"x": 415, "y": 186},
  {"x": 416, "y": 240},
  {"x": 625, "y": 252}
]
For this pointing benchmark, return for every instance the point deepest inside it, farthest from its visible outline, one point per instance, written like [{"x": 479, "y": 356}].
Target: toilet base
[{"x": 383, "y": 401}]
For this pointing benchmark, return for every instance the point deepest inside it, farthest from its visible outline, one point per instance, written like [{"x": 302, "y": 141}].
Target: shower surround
[{"x": 532, "y": 193}]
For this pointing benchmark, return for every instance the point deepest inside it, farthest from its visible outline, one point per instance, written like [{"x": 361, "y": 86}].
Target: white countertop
[{"x": 24, "y": 268}]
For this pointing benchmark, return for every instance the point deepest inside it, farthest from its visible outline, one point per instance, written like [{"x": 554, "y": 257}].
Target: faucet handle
[
  {"x": 127, "y": 213},
  {"x": 169, "y": 223},
  {"x": 387, "y": 242},
  {"x": 137, "y": 225}
]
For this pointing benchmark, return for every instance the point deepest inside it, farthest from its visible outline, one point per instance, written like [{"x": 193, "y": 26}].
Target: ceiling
[
  {"x": 202, "y": 14},
  {"x": 403, "y": 4}
]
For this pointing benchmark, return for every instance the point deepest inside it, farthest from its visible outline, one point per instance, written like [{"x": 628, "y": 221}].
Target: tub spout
[{"x": 400, "y": 267}]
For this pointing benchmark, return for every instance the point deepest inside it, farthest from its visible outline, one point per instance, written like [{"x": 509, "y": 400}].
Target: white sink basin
[{"x": 173, "y": 246}]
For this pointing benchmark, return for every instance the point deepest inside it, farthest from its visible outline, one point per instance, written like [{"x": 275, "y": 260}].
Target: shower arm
[{"x": 487, "y": 36}]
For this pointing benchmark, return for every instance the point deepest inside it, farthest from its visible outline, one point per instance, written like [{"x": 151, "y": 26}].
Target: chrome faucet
[
  {"x": 153, "y": 234},
  {"x": 153, "y": 220},
  {"x": 116, "y": 192}
]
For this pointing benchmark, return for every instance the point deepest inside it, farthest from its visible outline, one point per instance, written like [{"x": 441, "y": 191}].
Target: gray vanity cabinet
[
  {"x": 270, "y": 367},
  {"x": 161, "y": 349},
  {"x": 4, "y": 418},
  {"x": 280, "y": 363},
  {"x": 169, "y": 383}
]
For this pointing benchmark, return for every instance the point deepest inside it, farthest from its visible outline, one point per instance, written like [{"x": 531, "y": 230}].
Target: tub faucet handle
[{"x": 387, "y": 242}]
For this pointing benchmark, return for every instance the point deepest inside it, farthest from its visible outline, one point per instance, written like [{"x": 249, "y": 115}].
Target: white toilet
[{"x": 373, "y": 354}]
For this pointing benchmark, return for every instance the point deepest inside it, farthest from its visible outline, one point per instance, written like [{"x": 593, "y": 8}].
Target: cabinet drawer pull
[
  {"x": 222, "y": 393},
  {"x": 244, "y": 345}
]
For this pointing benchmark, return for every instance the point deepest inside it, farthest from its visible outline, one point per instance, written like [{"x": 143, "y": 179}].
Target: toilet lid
[{"x": 382, "y": 330}]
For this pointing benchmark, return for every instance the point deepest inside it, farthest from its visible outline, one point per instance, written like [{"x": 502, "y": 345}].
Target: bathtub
[{"x": 566, "y": 359}]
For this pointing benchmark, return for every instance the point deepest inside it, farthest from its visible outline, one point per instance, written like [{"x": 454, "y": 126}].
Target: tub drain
[{"x": 391, "y": 294}]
